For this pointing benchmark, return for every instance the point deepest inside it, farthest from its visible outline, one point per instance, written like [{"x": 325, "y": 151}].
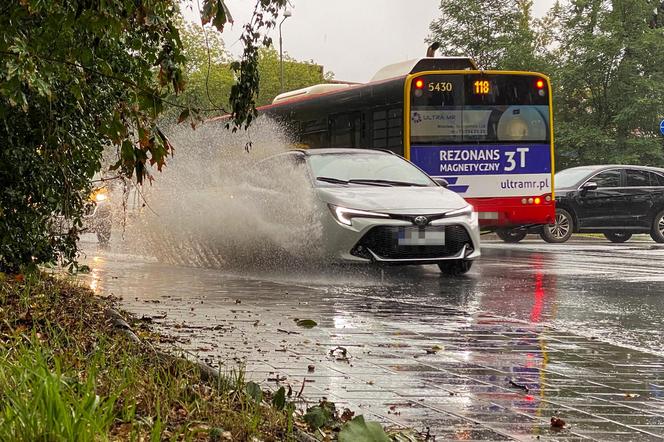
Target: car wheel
[
  {"x": 561, "y": 230},
  {"x": 455, "y": 267},
  {"x": 617, "y": 237},
  {"x": 511, "y": 235},
  {"x": 657, "y": 231}
]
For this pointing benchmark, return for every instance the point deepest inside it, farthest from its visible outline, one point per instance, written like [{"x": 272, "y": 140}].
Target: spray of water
[{"x": 216, "y": 206}]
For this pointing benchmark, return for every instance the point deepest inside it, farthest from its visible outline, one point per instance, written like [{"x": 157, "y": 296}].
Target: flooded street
[{"x": 533, "y": 331}]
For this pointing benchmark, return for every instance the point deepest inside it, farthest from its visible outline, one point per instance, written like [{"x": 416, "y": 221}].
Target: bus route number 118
[{"x": 481, "y": 87}]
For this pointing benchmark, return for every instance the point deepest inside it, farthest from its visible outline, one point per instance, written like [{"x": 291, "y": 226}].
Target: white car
[{"x": 376, "y": 207}]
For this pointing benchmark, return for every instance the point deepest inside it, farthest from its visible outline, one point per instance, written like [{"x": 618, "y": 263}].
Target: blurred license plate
[{"x": 415, "y": 236}]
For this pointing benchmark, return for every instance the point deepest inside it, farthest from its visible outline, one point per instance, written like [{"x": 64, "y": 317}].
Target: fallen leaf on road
[
  {"x": 519, "y": 386},
  {"x": 340, "y": 354},
  {"x": 557, "y": 422},
  {"x": 347, "y": 415},
  {"x": 306, "y": 323}
]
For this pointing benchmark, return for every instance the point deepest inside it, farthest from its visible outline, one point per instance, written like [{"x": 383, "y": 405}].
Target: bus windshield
[{"x": 479, "y": 108}]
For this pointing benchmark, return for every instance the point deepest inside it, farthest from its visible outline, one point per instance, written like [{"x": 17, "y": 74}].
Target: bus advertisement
[{"x": 487, "y": 133}]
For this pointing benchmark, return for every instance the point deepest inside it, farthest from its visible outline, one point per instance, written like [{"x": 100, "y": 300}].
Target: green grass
[{"x": 66, "y": 375}]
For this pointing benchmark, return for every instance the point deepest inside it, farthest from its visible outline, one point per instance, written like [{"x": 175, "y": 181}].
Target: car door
[
  {"x": 639, "y": 197},
  {"x": 599, "y": 208}
]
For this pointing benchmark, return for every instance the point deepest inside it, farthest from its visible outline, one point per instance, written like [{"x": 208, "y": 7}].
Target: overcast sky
[{"x": 352, "y": 38}]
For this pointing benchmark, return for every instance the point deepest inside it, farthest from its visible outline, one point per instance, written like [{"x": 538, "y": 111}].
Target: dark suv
[{"x": 617, "y": 201}]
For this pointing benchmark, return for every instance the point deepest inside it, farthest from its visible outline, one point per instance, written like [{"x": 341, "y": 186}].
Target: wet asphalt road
[
  {"x": 578, "y": 324},
  {"x": 614, "y": 292}
]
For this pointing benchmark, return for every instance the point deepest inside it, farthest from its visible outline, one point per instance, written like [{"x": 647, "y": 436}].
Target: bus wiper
[
  {"x": 331, "y": 180},
  {"x": 386, "y": 182}
]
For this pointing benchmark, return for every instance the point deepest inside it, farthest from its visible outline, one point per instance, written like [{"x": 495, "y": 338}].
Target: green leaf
[
  {"x": 320, "y": 415},
  {"x": 279, "y": 399},
  {"x": 254, "y": 391},
  {"x": 183, "y": 115},
  {"x": 306, "y": 323},
  {"x": 358, "y": 430},
  {"x": 220, "y": 18},
  {"x": 208, "y": 12}
]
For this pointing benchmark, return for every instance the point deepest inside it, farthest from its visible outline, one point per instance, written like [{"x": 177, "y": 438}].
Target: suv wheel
[
  {"x": 657, "y": 231},
  {"x": 617, "y": 237},
  {"x": 456, "y": 267},
  {"x": 561, "y": 230},
  {"x": 511, "y": 235}
]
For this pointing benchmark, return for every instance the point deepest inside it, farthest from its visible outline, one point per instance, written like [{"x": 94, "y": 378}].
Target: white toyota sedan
[{"x": 376, "y": 207}]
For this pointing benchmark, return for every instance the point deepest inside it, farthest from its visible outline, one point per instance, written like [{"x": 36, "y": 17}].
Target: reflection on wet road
[{"x": 534, "y": 330}]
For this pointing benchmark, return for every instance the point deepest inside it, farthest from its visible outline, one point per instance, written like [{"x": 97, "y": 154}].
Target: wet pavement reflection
[{"x": 534, "y": 331}]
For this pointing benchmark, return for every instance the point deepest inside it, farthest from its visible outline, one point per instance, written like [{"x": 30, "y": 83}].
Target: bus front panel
[{"x": 489, "y": 135}]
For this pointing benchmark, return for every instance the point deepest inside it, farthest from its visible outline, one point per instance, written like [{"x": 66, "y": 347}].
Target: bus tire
[
  {"x": 511, "y": 236},
  {"x": 561, "y": 230},
  {"x": 455, "y": 267}
]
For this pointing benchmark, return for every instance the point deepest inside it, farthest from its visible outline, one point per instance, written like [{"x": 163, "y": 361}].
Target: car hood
[{"x": 393, "y": 199}]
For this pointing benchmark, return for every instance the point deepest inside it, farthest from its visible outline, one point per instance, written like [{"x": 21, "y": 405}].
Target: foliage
[
  {"x": 321, "y": 415},
  {"x": 494, "y": 33},
  {"x": 208, "y": 86},
  {"x": 610, "y": 79},
  {"x": 74, "y": 77},
  {"x": 66, "y": 375},
  {"x": 209, "y": 80},
  {"x": 243, "y": 92},
  {"x": 81, "y": 75},
  {"x": 297, "y": 74},
  {"x": 605, "y": 58},
  {"x": 358, "y": 430}
]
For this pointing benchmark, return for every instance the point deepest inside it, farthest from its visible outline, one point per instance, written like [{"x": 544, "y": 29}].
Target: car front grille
[{"x": 384, "y": 242}]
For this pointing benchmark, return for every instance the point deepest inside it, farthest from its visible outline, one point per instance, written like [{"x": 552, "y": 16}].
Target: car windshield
[
  {"x": 370, "y": 169},
  {"x": 572, "y": 177}
]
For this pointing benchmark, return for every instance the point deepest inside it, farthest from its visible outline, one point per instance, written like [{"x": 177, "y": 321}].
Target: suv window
[
  {"x": 637, "y": 178},
  {"x": 609, "y": 178},
  {"x": 656, "y": 179}
]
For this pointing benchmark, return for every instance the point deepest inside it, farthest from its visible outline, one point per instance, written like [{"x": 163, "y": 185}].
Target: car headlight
[
  {"x": 464, "y": 211},
  {"x": 345, "y": 215},
  {"x": 99, "y": 195}
]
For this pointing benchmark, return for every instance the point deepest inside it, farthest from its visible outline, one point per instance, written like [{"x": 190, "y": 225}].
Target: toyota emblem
[{"x": 421, "y": 221}]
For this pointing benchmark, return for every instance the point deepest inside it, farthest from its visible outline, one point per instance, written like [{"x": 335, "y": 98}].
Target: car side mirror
[
  {"x": 442, "y": 182},
  {"x": 590, "y": 185}
]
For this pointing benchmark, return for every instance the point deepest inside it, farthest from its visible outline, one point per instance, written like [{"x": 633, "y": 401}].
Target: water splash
[{"x": 212, "y": 207}]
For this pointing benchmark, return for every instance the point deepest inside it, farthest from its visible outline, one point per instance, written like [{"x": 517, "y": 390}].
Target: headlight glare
[
  {"x": 345, "y": 215},
  {"x": 99, "y": 195}
]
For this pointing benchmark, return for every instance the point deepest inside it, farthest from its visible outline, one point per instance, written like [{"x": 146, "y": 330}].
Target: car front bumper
[{"x": 353, "y": 244}]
